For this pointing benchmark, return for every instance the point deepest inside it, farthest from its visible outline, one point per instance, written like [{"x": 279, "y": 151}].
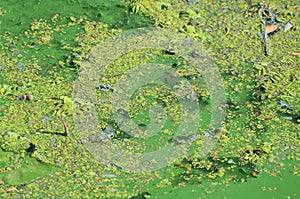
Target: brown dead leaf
[
  {"x": 255, "y": 174},
  {"x": 10, "y": 189},
  {"x": 295, "y": 53},
  {"x": 271, "y": 28}
]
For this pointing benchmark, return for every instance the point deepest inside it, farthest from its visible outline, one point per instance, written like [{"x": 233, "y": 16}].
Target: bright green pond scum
[{"x": 44, "y": 47}]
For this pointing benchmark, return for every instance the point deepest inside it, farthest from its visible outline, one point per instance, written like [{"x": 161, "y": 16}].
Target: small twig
[
  {"x": 265, "y": 35},
  {"x": 65, "y": 124}
]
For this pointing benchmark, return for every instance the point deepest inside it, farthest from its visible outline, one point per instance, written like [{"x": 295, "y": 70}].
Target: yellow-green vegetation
[{"x": 43, "y": 56}]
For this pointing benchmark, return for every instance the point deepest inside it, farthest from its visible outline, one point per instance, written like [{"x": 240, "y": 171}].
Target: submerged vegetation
[{"x": 252, "y": 43}]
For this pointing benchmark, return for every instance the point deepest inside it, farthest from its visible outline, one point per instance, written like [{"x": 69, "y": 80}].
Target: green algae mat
[{"x": 149, "y": 99}]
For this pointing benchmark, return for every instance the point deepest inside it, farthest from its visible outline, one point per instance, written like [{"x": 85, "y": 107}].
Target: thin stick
[
  {"x": 65, "y": 124},
  {"x": 265, "y": 35}
]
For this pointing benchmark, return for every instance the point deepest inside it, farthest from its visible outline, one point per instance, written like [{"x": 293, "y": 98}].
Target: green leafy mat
[{"x": 42, "y": 53}]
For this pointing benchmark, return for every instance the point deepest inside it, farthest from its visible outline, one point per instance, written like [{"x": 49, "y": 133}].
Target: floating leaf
[
  {"x": 27, "y": 172},
  {"x": 73, "y": 19},
  {"x": 287, "y": 26}
]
